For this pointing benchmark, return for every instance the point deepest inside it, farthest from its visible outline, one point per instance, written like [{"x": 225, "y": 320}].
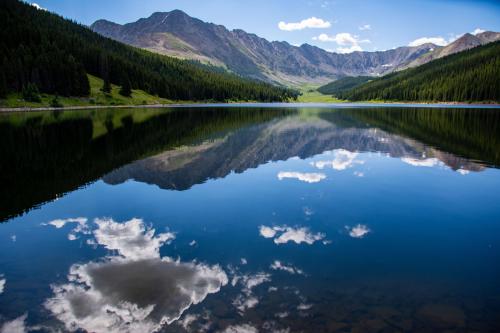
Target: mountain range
[{"x": 177, "y": 34}]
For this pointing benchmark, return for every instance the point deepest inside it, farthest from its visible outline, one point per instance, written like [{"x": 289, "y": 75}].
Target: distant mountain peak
[{"x": 175, "y": 33}]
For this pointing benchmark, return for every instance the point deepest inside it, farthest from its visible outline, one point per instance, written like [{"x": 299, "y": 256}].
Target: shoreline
[{"x": 256, "y": 104}]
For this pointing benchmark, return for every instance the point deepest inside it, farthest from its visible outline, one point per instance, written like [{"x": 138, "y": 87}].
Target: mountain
[
  {"x": 343, "y": 84},
  {"x": 43, "y": 51},
  {"x": 465, "y": 42},
  {"x": 472, "y": 75},
  {"x": 177, "y": 34}
]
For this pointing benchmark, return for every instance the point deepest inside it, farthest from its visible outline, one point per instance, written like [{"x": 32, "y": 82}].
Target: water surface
[{"x": 251, "y": 219}]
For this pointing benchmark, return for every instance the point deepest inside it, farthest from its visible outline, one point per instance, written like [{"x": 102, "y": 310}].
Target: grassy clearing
[
  {"x": 97, "y": 97},
  {"x": 314, "y": 96}
]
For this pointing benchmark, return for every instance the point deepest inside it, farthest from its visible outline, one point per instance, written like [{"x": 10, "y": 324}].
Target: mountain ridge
[{"x": 178, "y": 34}]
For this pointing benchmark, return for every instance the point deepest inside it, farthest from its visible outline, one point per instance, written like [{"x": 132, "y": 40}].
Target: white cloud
[
  {"x": 288, "y": 234},
  {"x": 478, "y": 31},
  {"x": 59, "y": 223},
  {"x": 37, "y": 6},
  {"x": 247, "y": 300},
  {"x": 245, "y": 328},
  {"x": 354, "y": 48},
  {"x": 279, "y": 266},
  {"x": 359, "y": 174},
  {"x": 192, "y": 243},
  {"x": 267, "y": 232},
  {"x": 348, "y": 43},
  {"x": 311, "y": 23},
  {"x": 358, "y": 231},
  {"x": 428, "y": 162},
  {"x": 2, "y": 285},
  {"x": 81, "y": 226},
  {"x": 135, "y": 291},
  {"x": 342, "y": 160},
  {"x": 243, "y": 302},
  {"x": 304, "y": 307},
  {"x": 365, "y": 27},
  {"x": 300, "y": 235},
  {"x": 243, "y": 261},
  {"x": 434, "y": 40},
  {"x": 17, "y": 325},
  {"x": 187, "y": 321},
  {"x": 304, "y": 177},
  {"x": 131, "y": 239},
  {"x": 463, "y": 172}
]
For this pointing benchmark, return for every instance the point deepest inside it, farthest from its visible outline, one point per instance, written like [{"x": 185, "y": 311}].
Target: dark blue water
[{"x": 251, "y": 220}]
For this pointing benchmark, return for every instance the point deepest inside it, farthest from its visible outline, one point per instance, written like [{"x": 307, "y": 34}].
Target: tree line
[
  {"x": 54, "y": 55},
  {"x": 468, "y": 76}
]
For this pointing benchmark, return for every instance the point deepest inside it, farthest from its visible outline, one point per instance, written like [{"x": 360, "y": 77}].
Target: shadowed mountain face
[{"x": 177, "y": 34}]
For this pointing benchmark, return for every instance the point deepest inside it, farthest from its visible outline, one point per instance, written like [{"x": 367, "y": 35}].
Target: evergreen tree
[
  {"x": 472, "y": 75},
  {"x": 3, "y": 85},
  {"x": 31, "y": 94},
  {"x": 126, "y": 89},
  {"x": 106, "y": 86},
  {"x": 56, "y": 54}
]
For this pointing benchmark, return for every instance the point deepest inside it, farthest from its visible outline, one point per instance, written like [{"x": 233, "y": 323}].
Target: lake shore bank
[{"x": 252, "y": 104}]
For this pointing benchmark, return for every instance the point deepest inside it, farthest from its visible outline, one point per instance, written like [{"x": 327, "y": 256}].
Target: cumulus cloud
[
  {"x": 347, "y": 43},
  {"x": 365, "y": 27},
  {"x": 37, "y": 6},
  {"x": 311, "y": 23},
  {"x": 17, "y": 325},
  {"x": 2, "y": 284},
  {"x": 285, "y": 234},
  {"x": 434, "y": 40},
  {"x": 134, "y": 291},
  {"x": 267, "y": 232},
  {"x": 304, "y": 177},
  {"x": 358, "y": 231},
  {"x": 342, "y": 160},
  {"x": 245, "y": 328},
  {"x": 427, "y": 162},
  {"x": 131, "y": 239},
  {"x": 247, "y": 299},
  {"x": 478, "y": 31},
  {"x": 279, "y": 266},
  {"x": 81, "y": 226}
]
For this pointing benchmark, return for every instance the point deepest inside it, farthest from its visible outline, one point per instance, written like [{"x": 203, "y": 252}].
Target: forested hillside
[
  {"x": 469, "y": 76},
  {"x": 343, "y": 84},
  {"x": 40, "y": 51}
]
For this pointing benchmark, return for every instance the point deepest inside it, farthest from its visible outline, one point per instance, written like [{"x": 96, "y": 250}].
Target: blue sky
[{"x": 336, "y": 25}]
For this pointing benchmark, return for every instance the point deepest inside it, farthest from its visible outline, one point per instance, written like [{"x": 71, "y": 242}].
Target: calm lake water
[{"x": 250, "y": 220}]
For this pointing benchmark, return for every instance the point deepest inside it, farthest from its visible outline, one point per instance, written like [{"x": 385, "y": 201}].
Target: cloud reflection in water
[{"x": 136, "y": 291}]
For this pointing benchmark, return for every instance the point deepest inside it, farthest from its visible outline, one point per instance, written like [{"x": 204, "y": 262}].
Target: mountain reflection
[
  {"x": 342, "y": 133},
  {"x": 45, "y": 155}
]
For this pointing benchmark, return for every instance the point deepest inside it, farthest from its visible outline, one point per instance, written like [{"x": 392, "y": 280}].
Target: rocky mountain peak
[{"x": 177, "y": 34}]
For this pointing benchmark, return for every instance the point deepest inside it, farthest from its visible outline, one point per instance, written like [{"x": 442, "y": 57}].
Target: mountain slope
[
  {"x": 472, "y": 75},
  {"x": 343, "y": 84},
  {"x": 176, "y": 33},
  {"x": 43, "y": 49},
  {"x": 465, "y": 42}
]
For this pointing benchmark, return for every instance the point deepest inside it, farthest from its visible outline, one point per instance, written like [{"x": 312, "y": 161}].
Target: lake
[{"x": 251, "y": 219}]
